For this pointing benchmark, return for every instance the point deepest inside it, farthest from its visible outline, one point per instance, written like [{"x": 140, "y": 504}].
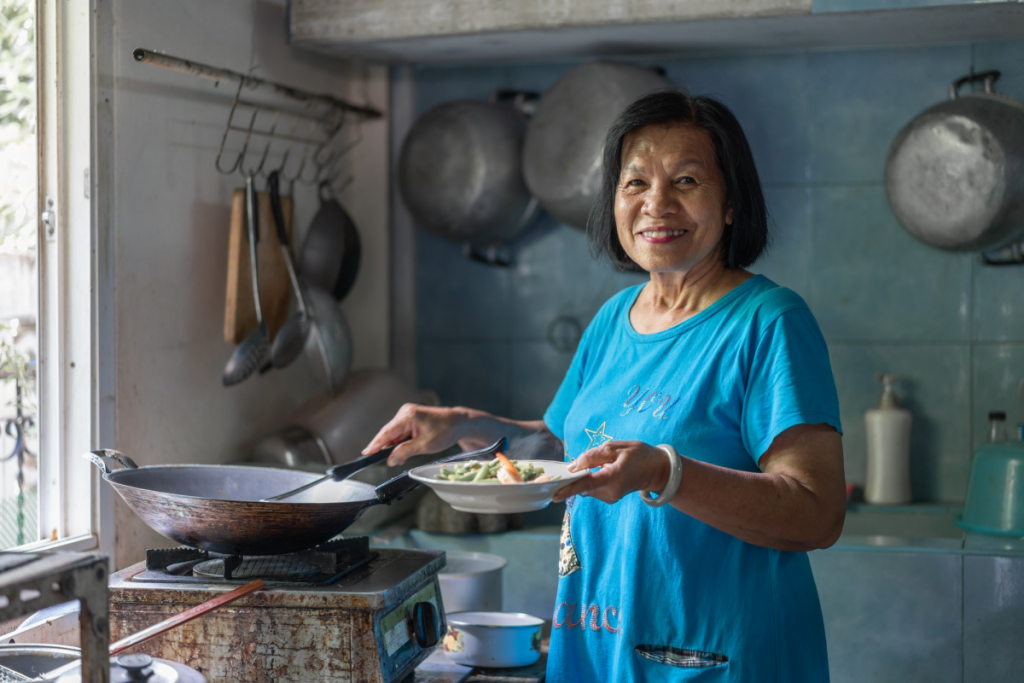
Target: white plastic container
[
  {"x": 888, "y": 437},
  {"x": 471, "y": 582}
]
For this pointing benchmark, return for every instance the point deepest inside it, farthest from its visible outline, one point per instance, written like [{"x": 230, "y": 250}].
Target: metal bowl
[
  {"x": 35, "y": 660},
  {"x": 471, "y": 582}
]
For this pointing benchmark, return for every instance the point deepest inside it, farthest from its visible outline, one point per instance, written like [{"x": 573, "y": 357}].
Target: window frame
[{"x": 76, "y": 330}]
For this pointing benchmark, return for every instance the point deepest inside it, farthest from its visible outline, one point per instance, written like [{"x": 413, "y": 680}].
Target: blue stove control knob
[{"x": 425, "y": 624}]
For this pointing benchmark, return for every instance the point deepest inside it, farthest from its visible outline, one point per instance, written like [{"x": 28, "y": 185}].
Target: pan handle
[
  {"x": 397, "y": 487},
  {"x": 988, "y": 76},
  {"x": 98, "y": 458}
]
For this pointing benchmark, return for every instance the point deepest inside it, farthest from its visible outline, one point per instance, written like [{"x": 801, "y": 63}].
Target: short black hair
[{"x": 747, "y": 238}]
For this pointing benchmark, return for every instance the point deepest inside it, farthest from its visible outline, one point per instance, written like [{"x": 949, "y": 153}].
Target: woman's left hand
[{"x": 626, "y": 466}]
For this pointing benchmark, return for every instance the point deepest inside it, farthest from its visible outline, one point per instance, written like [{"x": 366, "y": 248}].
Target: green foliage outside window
[{"x": 17, "y": 125}]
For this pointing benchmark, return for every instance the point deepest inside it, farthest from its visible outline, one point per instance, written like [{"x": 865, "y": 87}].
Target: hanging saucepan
[
  {"x": 565, "y": 138},
  {"x": 460, "y": 173},
  {"x": 955, "y": 174}
]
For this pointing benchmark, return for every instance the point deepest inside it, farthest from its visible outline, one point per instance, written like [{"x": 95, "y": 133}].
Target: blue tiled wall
[{"x": 820, "y": 124}]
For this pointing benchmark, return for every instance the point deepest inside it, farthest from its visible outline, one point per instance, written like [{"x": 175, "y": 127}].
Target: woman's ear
[{"x": 728, "y": 215}]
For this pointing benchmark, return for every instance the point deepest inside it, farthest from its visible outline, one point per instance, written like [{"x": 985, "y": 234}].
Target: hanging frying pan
[
  {"x": 332, "y": 250},
  {"x": 955, "y": 174},
  {"x": 565, "y": 139},
  {"x": 460, "y": 173}
]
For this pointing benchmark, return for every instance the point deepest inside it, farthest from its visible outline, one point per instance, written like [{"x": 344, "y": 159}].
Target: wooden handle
[{"x": 188, "y": 615}]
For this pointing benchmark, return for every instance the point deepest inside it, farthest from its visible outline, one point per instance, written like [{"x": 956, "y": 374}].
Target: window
[
  {"x": 19, "y": 442},
  {"x": 48, "y": 261}
]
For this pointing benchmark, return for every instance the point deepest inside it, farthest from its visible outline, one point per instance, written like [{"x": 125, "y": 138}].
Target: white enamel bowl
[
  {"x": 494, "y": 498},
  {"x": 493, "y": 639}
]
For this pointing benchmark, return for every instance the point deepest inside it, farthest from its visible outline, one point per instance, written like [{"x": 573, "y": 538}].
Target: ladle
[
  {"x": 251, "y": 353},
  {"x": 336, "y": 473},
  {"x": 291, "y": 338},
  {"x": 343, "y": 472}
]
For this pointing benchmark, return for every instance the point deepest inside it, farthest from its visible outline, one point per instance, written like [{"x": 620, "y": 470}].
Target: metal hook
[
  {"x": 316, "y": 152},
  {"x": 302, "y": 164},
  {"x": 330, "y": 167},
  {"x": 287, "y": 154},
  {"x": 224, "y": 137},
  {"x": 248, "y": 137},
  {"x": 270, "y": 141}
]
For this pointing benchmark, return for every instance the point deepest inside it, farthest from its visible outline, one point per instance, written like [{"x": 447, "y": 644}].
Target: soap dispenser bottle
[{"x": 888, "y": 437}]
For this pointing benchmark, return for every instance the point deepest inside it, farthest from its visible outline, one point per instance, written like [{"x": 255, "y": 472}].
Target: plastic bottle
[
  {"x": 997, "y": 426},
  {"x": 888, "y": 437}
]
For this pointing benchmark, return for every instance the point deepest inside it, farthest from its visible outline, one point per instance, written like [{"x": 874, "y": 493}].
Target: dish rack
[{"x": 30, "y": 582}]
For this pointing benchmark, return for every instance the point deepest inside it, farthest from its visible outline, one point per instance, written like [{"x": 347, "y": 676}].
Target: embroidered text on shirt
[
  {"x": 598, "y": 620},
  {"x": 661, "y": 402}
]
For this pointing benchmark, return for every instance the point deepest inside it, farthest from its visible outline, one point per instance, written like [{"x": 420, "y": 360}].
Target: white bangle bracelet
[{"x": 675, "y": 475}]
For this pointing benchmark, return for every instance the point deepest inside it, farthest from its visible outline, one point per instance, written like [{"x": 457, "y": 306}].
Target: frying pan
[
  {"x": 331, "y": 253},
  {"x": 217, "y": 508}
]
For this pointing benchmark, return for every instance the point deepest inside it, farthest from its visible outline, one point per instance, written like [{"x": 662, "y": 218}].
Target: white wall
[{"x": 171, "y": 214}]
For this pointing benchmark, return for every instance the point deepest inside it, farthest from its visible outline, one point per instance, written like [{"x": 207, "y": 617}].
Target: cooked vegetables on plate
[
  {"x": 500, "y": 470},
  {"x": 480, "y": 486}
]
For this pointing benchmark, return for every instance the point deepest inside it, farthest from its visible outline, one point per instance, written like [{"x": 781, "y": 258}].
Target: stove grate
[{"x": 271, "y": 567}]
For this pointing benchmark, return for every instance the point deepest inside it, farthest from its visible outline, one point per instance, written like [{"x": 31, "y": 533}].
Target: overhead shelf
[{"x": 412, "y": 31}]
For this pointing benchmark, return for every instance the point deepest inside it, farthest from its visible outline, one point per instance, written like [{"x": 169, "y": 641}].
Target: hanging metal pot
[
  {"x": 565, "y": 138},
  {"x": 460, "y": 174},
  {"x": 955, "y": 174}
]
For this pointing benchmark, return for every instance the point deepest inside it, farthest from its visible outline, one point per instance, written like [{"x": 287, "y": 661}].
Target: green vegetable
[{"x": 487, "y": 472}]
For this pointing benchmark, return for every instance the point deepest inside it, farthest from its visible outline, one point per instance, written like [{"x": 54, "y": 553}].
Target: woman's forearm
[
  {"x": 528, "y": 438},
  {"x": 765, "y": 509},
  {"x": 798, "y": 501}
]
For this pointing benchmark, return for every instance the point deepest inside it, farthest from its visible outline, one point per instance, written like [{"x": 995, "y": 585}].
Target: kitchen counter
[{"x": 434, "y": 671}]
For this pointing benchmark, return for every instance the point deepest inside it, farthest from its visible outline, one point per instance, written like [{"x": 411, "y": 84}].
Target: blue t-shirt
[{"x": 652, "y": 594}]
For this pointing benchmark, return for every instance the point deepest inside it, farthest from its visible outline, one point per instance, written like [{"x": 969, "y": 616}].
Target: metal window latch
[{"x": 49, "y": 219}]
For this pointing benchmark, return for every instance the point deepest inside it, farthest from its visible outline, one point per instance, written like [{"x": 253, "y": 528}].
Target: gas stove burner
[
  {"x": 322, "y": 565},
  {"x": 273, "y": 567}
]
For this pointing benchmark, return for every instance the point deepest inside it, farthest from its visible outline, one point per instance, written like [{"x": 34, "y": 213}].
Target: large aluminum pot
[
  {"x": 565, "y": 138},
  {"x": 955, "y": 174},
  {"x": 460, "y": 173}
]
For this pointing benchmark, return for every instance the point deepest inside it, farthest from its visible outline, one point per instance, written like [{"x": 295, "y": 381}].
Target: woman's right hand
[{"x": 423, "y": 429}]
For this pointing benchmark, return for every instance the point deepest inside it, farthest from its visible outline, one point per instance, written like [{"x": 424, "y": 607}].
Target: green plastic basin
[{"x": 995, "y": 494}]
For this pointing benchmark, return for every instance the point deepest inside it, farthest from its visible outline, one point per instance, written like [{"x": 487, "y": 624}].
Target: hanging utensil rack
[{"x": 309, "y": 124}]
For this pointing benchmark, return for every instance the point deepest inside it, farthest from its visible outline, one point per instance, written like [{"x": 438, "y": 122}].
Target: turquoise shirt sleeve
[
  {"x": 790, "y": 382},
  {"x": 554, "y": 416}
]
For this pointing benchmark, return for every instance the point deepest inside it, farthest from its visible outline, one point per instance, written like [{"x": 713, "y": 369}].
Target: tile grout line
[
  {"x": 970, "y": 444},
  {"x": 963, "y": 624}
]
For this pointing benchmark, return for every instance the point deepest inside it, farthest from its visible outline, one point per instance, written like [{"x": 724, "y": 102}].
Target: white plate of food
[{"x": 490, "y": 487}]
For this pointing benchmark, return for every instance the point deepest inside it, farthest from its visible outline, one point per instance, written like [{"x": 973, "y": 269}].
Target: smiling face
[{"x": 670, "y": 202}]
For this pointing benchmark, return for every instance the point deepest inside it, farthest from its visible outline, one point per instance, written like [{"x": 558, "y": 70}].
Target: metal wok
[{"x": 217, "y": 508}]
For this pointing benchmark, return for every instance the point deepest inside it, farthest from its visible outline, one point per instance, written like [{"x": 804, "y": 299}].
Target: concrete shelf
[{"x": 414, "y": 31}]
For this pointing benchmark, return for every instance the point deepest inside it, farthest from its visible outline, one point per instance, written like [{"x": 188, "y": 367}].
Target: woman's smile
[{"x": 661, "y": 235}]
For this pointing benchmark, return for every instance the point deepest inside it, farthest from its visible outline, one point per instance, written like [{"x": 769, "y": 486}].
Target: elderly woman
[{"x": 703, "y": 404}]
